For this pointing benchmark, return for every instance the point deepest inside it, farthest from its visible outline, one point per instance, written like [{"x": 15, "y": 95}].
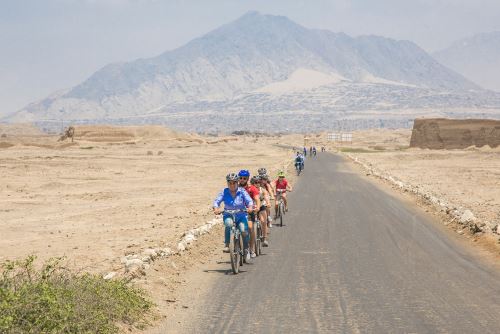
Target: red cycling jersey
[
  {"x": 281, "y": 185},
  {"x": 252, "y": 191}
]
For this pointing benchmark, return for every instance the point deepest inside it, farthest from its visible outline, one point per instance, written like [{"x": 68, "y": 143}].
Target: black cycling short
[
  {"x": 251, "y": 216},
  {"x": 263, "y": 208}
]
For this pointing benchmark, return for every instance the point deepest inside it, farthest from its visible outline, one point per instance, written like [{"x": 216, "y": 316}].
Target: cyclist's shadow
[{"x": 228, "y": 272}]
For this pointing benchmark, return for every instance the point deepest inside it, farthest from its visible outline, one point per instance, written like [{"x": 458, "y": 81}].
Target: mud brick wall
[{"x": 441, "y": 133}]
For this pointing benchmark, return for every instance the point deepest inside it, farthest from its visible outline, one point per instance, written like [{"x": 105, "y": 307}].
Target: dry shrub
[{"x": 55, "y": 300}]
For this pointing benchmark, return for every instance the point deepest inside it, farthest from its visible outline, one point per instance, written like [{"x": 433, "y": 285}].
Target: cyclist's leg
[
  {"x": 228, "y": 223},
  {"x": 263, "y": 220},
  {"x": 268, "y": 209},
  {"x": 285, "y": 201},
  {"x": 251, "y": 230},
  {"x": 243, "y": 226}
]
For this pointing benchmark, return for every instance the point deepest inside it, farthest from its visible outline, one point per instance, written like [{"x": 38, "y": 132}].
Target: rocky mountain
[
  {"x": 476, "y": 57},
  {"x": 256, "y": 53}
]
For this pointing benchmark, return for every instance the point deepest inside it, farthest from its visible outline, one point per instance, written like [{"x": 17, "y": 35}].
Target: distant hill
[
  {"x": 256, "y": 54},
  {"x": 476, "y": 57}
]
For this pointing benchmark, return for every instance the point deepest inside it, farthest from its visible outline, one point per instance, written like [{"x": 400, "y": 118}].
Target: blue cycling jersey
[{"x": 241, "y": 201}]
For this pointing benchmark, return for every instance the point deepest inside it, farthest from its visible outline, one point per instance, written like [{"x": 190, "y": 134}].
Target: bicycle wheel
[
  {"x": 282, "y": 212},
  {"x": 235, "y": 254},
  {"x": 258, "y": 240},
  {"x": 242, "y": 252}
]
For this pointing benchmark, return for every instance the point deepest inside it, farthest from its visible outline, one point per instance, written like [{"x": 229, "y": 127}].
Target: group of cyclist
[
  {"x": 312, "y": 151},
  {"x": 252, "y": 198}
]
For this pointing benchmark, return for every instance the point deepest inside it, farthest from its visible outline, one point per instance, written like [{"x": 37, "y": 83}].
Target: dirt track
[{"x": 351, "y": 259}]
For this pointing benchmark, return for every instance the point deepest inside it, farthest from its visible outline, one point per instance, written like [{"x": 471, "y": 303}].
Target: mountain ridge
[
  {"x": 238, "y": 58},
  {"x": 476, "y": 57}
]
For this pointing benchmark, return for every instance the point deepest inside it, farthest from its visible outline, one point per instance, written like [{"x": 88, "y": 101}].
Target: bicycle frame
[{"x": 236, "y": 254}]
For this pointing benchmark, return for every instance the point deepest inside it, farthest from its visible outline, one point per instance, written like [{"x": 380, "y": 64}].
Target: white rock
[
  {"x": 433, "y": 199},
  {"x": 149, "y": 252},
  {"x": 466, "y": 217},
  {"x": 110, "y": 275},
  {"x": 134, "y": 262},
  {"x": 181, "y": 246},
  {"x": 189, "y": 238},
  {"x": 166, "y": 251}
]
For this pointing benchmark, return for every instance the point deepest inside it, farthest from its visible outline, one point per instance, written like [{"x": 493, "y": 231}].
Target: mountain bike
[
  {"x": 298, "y": 168},
  {"x": 236, "y": 251},
  {"x": 281, "y": 205}
]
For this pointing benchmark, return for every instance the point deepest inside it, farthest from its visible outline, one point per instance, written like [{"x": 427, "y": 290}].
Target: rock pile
[{"x": 135, "y": 265}]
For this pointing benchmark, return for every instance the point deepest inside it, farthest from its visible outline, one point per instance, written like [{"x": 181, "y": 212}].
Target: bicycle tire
[
  {"x": 258, "y": 240},
  {"x": 242, "y": 252},
  {"x": 235, "y": 255},
  {"x": 282, "y": 212}
]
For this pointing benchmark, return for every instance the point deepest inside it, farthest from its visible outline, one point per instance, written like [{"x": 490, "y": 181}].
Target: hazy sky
[{"x": 49, "y": 45}]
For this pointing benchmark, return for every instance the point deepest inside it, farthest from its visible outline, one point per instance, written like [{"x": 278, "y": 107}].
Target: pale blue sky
[{"x": 49, "y": 45}]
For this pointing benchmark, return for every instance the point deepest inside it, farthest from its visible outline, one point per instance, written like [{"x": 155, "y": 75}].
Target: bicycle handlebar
[{"x": 231, "y": 212}]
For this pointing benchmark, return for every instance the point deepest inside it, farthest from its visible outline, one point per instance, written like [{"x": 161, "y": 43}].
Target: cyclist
[
  {"x": 265, "y": 203},
  {"x": 266, "y": 183},
  {"x": 314, "y": 150},
  {"x": 281, "y": 184},
  {"x": 234, "y": 198},
  {"x": 244, "y": 175},
  {"x": 299, "y": 161},
  {"x": 305, "y": 151}
]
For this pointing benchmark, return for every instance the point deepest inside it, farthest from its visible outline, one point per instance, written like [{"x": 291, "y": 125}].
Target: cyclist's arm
[
  {"x": 269, "y": 189},
  {"x": 217, "y": 202},
  {"x": 289, "y": 187},
  {"x": 247, "y": 200},
  {"x": 267, "y": 198},
  {"x": 256, "y": 200}
]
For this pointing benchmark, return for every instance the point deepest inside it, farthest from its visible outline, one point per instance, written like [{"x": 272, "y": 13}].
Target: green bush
[{"x": 55, "y": 300}]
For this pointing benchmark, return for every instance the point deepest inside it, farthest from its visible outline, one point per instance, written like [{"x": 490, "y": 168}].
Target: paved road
[{"x": 353, "y": 259}]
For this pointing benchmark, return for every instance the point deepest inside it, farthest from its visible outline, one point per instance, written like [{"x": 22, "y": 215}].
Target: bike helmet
[
  {"x": 262, "y": 171},
  {"x": 232, "y": 177},
  {"x": 255, "y": 179},
  {"x": 244, "y": 173},
  {"x": 265, "y": 177},
  {"x": 281, "y": 174}
]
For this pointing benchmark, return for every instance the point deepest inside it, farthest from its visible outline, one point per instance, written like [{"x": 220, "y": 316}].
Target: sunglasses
[{"x": 243, "y": 178}]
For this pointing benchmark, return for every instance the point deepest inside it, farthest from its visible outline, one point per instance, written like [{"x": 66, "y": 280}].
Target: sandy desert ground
[{"x": 114, "y": 191}]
